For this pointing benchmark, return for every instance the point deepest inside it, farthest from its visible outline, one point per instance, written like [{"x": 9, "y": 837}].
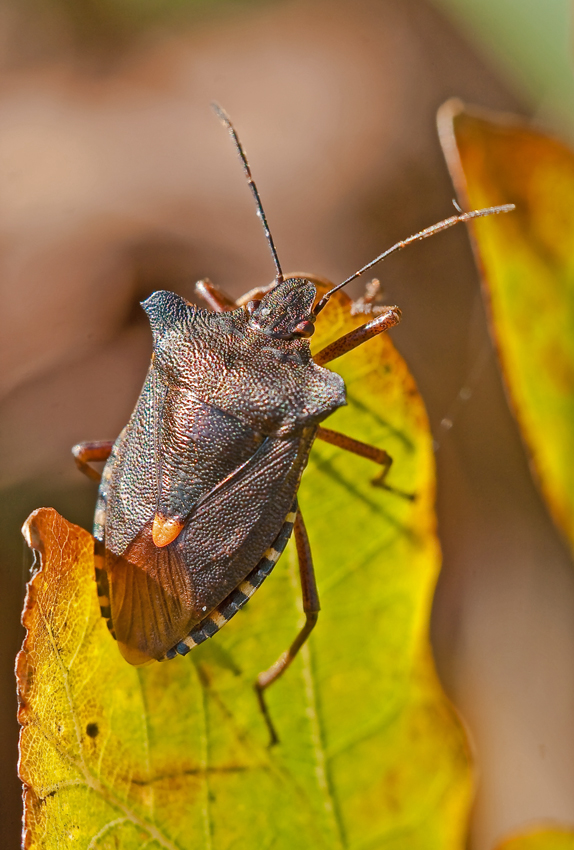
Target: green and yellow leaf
[
  {"x": 175, "y": 755},
  {"x": 528, "y": 263}
]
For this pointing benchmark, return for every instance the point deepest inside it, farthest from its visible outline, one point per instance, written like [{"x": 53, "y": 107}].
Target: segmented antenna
[
  {"x": 224, "y": 118},
  {"x": 422, "y": 234}
]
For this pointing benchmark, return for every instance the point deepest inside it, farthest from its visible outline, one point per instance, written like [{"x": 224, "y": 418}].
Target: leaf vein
[{"x": 321, "y": 771}]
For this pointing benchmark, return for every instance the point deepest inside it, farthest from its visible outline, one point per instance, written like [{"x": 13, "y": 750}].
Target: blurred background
[{"x": 116, "y": 179}]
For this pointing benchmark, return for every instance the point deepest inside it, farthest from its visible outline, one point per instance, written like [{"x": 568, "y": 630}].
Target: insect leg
[
  {"x": 379, "y": 456},
  {"x": 85, "y": 453},
  {"x": 386, "y": 320},
  {"x": 254, "y": 294},
  {"x": 311, "y": 609},
  {"x": 215, "y": 298}
]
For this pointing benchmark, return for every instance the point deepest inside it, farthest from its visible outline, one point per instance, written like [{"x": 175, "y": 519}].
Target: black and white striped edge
[{"x": 238, "y": 597}]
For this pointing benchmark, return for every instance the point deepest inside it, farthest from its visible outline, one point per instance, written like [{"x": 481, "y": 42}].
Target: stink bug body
[{"x": 198, "y": 495}]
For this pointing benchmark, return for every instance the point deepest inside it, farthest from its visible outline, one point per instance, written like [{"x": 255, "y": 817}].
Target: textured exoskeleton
[
  {"x": 212, "y": 455},
  {"x": 198, "y": 496}
]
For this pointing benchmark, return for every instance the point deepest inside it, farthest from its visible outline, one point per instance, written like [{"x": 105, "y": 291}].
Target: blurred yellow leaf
[
  {"x": 175, "y": 755},
  {"x": 528, "y": 263},
  {"x": 540, "y": 838}
]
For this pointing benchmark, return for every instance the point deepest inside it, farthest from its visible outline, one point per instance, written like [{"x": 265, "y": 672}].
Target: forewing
[
  {"x": 158, "y": 595},
  {"x": 175, "y": 450},
  {"x": 131, "y": 477},
  {"x": 229, "y": 531},
  {"x": 200, "y": 446}
]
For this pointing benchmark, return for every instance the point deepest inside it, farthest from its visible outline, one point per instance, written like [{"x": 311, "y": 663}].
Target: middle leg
[{"x": 365, "y": 450}]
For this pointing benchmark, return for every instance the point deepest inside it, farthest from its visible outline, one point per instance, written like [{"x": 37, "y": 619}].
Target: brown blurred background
[{"x": 116, "y": 179}]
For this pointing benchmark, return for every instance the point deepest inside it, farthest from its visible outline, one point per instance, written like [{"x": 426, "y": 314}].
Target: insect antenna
[
  {"x": 225, "y": 119},
  {"x": 417, "y": 237}
]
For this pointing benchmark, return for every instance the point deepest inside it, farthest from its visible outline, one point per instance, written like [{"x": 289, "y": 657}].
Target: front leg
[
  {"x": 218, "y": 300},
  {"x": 387, "y": 319}
]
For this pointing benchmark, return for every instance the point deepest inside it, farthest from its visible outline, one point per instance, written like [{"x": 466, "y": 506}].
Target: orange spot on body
[{"x": 165, "y": 530}]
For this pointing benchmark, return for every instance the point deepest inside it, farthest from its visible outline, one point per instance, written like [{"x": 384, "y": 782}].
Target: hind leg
[{"x": 311, "y": 608}]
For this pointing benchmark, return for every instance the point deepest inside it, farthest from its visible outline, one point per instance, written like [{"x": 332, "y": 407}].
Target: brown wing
[{"x": 158, "y": 594}]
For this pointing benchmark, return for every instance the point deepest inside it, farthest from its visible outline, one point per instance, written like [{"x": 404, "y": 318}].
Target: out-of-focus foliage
[
  {"x": 109, "y": 22},
  {"x": 528, "y": 265},
  {"x": 527, "y": 41},
  {"x": 541, "y": 838},
  {"x": 176, "y": 755}
]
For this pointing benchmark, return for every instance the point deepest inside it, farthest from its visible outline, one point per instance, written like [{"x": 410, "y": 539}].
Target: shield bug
[{"x": 197, "y": 498}]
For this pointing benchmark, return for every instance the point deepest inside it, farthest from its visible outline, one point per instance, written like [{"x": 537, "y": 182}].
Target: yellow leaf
[
  {"x": 175, "y": 755},
  {"x": 540, "y": 838},
  {"x": 528, "y": 265}
]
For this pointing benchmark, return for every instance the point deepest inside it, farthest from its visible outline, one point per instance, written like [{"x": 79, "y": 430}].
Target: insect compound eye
[
  {"x": 304, "y": 329},
  {"x": 252, "y": 306}
]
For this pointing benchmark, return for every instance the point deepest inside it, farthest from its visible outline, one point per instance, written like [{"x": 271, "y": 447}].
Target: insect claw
[
  {"x": 273, "y": 736},
  {"x": 377, "y": 481}
]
